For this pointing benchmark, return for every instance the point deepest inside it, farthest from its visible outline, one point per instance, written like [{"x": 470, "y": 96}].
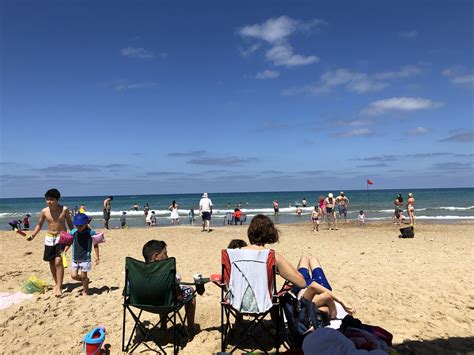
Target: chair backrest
[
  {"x": 249, "y": 276},
  {"x": 150, "y": 284}
]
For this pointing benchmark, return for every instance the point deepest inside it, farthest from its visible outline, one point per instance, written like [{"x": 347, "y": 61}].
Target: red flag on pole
[{"x": 369, "y": 182}]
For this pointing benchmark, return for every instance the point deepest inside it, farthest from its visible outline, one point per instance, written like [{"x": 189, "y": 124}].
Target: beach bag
[
  {"x": 33, "y": 285},
  {"x": 407, "y": 232},
  {"x": 302, "y": 317}
]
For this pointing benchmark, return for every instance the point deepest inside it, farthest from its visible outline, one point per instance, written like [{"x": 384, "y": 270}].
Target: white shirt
[{"x": 205, "y": 204}]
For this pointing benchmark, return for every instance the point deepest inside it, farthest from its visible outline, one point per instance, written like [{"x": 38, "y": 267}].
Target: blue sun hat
[{"x": 81, "y": 219}]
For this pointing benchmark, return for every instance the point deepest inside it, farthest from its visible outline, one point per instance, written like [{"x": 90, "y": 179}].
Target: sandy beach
[{"x": 418, "y": 289}]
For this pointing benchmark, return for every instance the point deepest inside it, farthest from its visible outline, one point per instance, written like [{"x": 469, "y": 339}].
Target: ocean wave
[
  {"x": 424, "y": 217},
  {"x": 453, "y": 208}
]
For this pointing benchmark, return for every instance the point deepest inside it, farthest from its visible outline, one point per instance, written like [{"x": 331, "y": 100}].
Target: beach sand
[{"x": 421, "y": 289}]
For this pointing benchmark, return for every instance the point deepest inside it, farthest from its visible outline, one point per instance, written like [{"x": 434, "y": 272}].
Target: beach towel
[
  {"x": 340, "y": 314},
  {"x": 9, "y": 299},
  {"x": 327, "y": 341},
  {"x": 248, "y": 287}
]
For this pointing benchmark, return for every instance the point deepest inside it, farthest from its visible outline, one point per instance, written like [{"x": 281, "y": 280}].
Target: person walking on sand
[
  {"x": 82, "y": 250},
  {"x": 342, "y": 204},
  {"x": 361, "y": 218},
  {"x": 56, "y": 216},
  {"x": 330, "y": 202},
  {"x": 107, "y": 211},
  {"x": 322, "y": 207},
  {"x": 315, "y": 218},
  {"x": 205, "y": 209},
  {"x": 174, "y": 212},
  {"x": 411, "y": 208}
]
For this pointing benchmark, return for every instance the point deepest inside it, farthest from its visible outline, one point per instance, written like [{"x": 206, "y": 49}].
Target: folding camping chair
[
  {"x": 248, "y": 288},
  {"x": 152, "y": 287}
]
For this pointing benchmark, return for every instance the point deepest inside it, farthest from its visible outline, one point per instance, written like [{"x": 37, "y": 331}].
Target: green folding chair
[{"x": 152, "y": 287}]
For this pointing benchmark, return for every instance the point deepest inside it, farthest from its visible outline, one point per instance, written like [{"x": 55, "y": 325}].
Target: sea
[{"x": 441, "y": 204}]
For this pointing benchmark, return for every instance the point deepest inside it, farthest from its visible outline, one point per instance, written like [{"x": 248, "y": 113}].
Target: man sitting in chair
[{"x": 155, "y": 250}]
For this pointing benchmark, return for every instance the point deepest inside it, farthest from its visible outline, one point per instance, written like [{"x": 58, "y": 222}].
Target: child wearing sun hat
[{"x": 82, "y": 250}]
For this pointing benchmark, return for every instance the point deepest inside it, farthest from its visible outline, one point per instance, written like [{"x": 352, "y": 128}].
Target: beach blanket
[{"x": 9, "y": 299}]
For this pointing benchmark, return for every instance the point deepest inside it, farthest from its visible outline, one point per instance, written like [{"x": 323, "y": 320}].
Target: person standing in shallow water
[
  {"x": 342, "y": 204},
  {"x": 330, "y": 203},
  {"x": 106, "y": 211},
  {"x": 398, "y": 213},
  {"x": 411, "y": 208},
  {"x": 205, "y": 208},
  {"x": 174, "y": 212}
]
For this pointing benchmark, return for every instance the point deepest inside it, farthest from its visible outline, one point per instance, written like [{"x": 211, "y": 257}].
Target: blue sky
[{"x": 149, "y": 97}]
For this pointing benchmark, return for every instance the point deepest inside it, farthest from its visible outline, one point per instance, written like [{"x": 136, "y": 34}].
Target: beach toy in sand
[
  {"x": 93, "y": 341},
  {"x": 65, "y": 238},
  {"x": 20, "y": 232},
  {"x": 98, "y": 238},
  {"x": 33, "y": 285}
]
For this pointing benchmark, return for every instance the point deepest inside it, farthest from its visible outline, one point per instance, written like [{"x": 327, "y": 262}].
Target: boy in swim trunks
[
  {"x": 155, "y": 250},
  {"x": 81, "y": 251},
  {"x": 56, "y": 216}
]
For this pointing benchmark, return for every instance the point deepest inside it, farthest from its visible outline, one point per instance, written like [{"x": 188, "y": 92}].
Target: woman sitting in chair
[{"x": 262, "y": 231}]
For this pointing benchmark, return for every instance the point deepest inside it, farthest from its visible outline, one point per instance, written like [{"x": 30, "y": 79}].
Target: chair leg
[
  {"x": 123, "y": 328},
  {"x": 222, "y": 329},
  {"x": 175, "y": 344},
  {"x": 278, "y": 332}
]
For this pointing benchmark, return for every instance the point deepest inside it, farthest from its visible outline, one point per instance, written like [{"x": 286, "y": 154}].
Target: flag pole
[{"x": 368, "y": 201}]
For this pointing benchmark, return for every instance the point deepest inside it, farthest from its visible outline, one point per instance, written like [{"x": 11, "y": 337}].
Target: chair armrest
[{"x": 205, "y": 280}]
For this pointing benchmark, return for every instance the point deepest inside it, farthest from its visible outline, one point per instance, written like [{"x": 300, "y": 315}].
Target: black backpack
[
  {"x": 302, "y": 317},
  {"x": 407, "y": 232}
]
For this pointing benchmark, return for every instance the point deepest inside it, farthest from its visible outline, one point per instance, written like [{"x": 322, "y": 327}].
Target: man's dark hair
[
  {"x": 262, "y": 231},
  {"x": 110, "y": 197},
  {"x": 53, "y": 193},
  {"x": 151, "y": 248}
]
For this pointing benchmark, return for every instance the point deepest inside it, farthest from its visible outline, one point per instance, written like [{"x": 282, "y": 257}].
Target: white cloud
[
  {"x": 417, "y": 131},
  {"x": 122, "y": 85},
  {"x": 273, "y": 30},
  {"x": 354, "y": 123},
  {"x": 405, "y": 72},
  {"x": 458, "y": 75},
  {"x": 276, "y": 32},
  {"x": 267, "y": 74},
  {"x": 133, "y": 52},
  {"x": 409, "y": 34},
  {"x": 463, "y": 79},
  {"x": 245, "y": 52},
  {"x": 400, "y": 104},
  {"x": 282, "y": 54},
  {"x": 352, "y": 81},
  {"x": 357, "y": 132}
]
